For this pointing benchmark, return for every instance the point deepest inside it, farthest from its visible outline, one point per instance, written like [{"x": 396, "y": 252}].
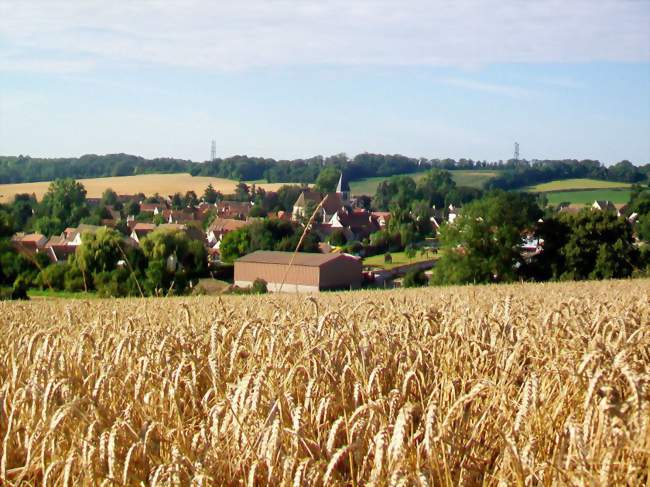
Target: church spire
[{"x": 343, "y": 188}]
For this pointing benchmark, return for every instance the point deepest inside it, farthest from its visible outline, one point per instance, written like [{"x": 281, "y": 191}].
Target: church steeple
[{"x": 343, "y": 188}]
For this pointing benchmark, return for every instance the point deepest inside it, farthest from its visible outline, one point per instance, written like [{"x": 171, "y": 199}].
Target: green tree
[
  {"x": 397, "y": 191},
  {"x": 265, "y": 235},
  {"x": 414, "y": 278},
  {"x": 99, "y": 252},
  {"x": 173, "y": 260},
  {"x": 483, "y": 243},
  {"x": 6, "y": 224},
  {"x": 178, "y": 202},
  {"x": 434, "y": 187},
  {"x": 287, "y": 196},
  {"x": 132, "y": 208},
  {"x": 643, "y": 227},
  {"x": 327, "y": 179},
  {"x": 338, "y": 238},
  {"x": 600, "y": 246},
  {"x": 109, "y": 197},
  {"x": 210, "y": 195},
  {"x": 64, "y": 204},
  {"x": 191, "y": 199}
]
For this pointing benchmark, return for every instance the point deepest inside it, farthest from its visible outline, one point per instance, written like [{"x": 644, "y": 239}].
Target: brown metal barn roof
[{"x": 301, "y": 259}]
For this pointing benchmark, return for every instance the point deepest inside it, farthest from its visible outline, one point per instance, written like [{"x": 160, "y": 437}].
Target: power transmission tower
[
  {"x": 516, "y": 151},
  {"x": 213, "y": 150}
]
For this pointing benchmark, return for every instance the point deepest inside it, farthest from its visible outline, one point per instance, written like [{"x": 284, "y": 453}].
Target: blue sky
[{"x": 289, "y": 79}]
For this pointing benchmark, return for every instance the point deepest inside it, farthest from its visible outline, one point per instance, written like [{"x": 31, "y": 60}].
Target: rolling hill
[{"x": 165, "y": 184}]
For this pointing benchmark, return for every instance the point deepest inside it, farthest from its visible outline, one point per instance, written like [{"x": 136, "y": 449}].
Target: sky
[{"x": 298, "y": 78}]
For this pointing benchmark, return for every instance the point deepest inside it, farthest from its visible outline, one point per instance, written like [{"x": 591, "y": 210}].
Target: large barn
[{"x": 308, "y": 272}]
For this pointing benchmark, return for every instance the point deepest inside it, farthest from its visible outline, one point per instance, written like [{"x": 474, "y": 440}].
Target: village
[{"x": 342, "y": 227}]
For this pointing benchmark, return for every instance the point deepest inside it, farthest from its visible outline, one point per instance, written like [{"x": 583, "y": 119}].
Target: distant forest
[{"x": 512, "y": 174}]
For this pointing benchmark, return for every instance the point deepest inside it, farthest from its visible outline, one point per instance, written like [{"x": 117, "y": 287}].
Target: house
[
  {"x": 453, "y": 213},
  {"x": 31, "y": 242},
  {"x": 570, "y": 208},
  {"x": 360, "y": 223},
  {"x": 193, "y": 232},
  {"x": 382, "y": 217},
  {"x": 307, "y": 198},
  {"x": 234, "y": 209},
  {"x": 76, "y": 236},
  {"x": 179, "y": 216},
  {"x": 304, "y": 272},
  {"x": 154, "y": 208},
  {"x": 220, "y": 226},
  {"x": 58, "y": 250},
  {"x": 141, "y": 230},
  {"x": 604, "y": 205}
]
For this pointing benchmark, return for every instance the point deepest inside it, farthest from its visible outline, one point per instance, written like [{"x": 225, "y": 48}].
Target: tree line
[
  {"x": 512, "y": 173},
  {"x": 526, "y": 173}
]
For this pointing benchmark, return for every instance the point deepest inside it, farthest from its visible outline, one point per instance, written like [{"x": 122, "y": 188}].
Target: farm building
[{"x": 308, "y": 272}]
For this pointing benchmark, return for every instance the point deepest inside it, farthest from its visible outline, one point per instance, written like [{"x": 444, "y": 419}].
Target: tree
[
  {"x": 265, "y": 235},
  {"x": 328, "y": 179},
  {"x": 99, "y": 252},
  {"x": 64, "y": 204},
  {"x": 643, "y": 227},
  {"x": 191, "y": 199},
  {"x": 210, "y": 195},
  {"x": 109, "y": 197},
  {"x": 483, "y": 243},
  {"x": 414, "y": 278},
  {"x": 132, "y": 208},
  {"x": 600, "y": 246},
  {"x": 22, "y": 210},
  {"x": 242, "y": 192},
  {"x": 173, "y": 260},
  {"x": 6, "y": 224},
  {"x": 397, "y": 191},
  {"x": 287, "y": 196},
  {"x": 338, "y": 238},
  {"x": 178, "y": 202},
  {"x": 434, "y": 187}
]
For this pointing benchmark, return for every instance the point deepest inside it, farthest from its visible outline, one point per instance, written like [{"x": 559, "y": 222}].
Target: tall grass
[{"x": 512, "y": 385}]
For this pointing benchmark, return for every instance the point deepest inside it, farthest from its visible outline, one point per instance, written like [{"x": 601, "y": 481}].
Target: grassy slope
[
  {"x": 473, "y": 179},
  {"x": 589, "y": 196},
  {"x": 576, "y": 184},
  {"x": 399, "y": 258},
  {"x": 149, "y": 184}
]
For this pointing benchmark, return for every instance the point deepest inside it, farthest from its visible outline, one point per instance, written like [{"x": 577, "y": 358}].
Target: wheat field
[
  {"x": 544, "y": 384},
  {"x": 164, "y": 184}
]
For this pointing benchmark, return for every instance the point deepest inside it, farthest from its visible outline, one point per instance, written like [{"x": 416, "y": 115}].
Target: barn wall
[
  {"x": 274, "y": 273},
  {"x": 343, "y": 272}
]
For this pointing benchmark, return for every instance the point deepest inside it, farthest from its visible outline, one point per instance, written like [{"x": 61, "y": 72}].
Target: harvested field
[
  {"x": 576, "y": 185},
  {"x": 164, "y": 184},
  {"x": 543, "y": 384}
]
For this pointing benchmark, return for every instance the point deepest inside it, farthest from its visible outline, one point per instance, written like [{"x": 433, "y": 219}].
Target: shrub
[
  {"x": 53, "y": 276},
  {"x": 259, "y": 287},
  {"x": 338, "y": 238},
  {"x": 414, "y": 278}
]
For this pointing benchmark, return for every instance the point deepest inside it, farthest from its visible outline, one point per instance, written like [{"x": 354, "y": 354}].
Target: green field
[
  {"x": 399, "y": 258},
  {"x": 474, "y": 179},
  {"x": 588, "y": 196},
  {"x": 576, "y": 184},
  {"x": 46, "y": 293}
]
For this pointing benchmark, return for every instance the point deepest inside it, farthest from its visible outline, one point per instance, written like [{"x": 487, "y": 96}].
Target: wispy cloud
[
  {"x": 224, "y": 35},
  {"x": 481, "y": 86}
]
